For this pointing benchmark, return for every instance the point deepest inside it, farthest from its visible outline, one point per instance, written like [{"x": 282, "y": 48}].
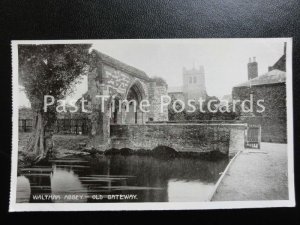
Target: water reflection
[
  {"x": 66, "y": 182},
  {"x": 147, "y": 178},
  {"x": 23, "y": 189}
]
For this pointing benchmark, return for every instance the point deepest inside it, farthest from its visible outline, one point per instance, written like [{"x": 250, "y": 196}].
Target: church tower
[{"x": 194, "y": 83}]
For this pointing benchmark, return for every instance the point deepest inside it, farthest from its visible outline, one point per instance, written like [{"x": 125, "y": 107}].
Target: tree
[
  {"x": 176, "y": 115},
  {"x": 48, "y": 70},
  {"x": 159, "y": 81},
  {"x": 204, "y": 112}
]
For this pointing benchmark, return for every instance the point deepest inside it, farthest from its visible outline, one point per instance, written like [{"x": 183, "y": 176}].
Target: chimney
[{"x": 252, "y": 69}]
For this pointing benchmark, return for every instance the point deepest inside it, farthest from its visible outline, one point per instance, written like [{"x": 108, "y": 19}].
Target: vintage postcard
[{"x": 153, "y": 124}]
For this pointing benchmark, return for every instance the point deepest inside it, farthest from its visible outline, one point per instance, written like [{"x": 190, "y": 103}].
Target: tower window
[
  {"x": 195, "y": 80},
  {"x": 191, "y": 80}
]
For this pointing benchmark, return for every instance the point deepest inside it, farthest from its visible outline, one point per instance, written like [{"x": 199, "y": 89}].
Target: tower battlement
[{"x": 193, "y": 71}]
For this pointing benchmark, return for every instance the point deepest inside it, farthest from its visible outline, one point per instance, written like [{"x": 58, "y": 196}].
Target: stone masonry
[
  {"x": 119, "y": 81},
  {"x": 201, "y": 138}
]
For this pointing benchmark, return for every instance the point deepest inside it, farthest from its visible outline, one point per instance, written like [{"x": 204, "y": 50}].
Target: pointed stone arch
[
  {"x": 138, "y": 88},
  {"x": 137, "y": 92}
]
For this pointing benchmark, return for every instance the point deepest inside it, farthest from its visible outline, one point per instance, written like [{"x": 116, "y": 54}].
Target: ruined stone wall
[
  {"x": 100, "y": 132},
  {"x": 118, "y": 82},
  {"x": 201, "y": 138},
  {"x": 155, "y": 93},
  {"x": 113, "y": 78}
]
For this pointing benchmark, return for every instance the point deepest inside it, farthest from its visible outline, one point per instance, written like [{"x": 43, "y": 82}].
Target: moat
[{"x": 133, "y": 178}]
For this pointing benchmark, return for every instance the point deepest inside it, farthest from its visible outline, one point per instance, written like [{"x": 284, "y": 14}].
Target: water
[{"x": 108, "y": 178}]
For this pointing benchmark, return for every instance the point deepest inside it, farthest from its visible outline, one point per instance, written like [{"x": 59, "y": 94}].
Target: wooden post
[
  {"x": 24, "y": 125},
  {"x": 259, "y": 137}
]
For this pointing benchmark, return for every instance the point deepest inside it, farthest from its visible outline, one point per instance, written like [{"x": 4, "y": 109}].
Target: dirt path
[{"x": 256, "y": 175}]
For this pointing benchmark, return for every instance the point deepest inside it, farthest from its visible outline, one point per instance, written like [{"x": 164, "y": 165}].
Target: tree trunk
[{"x": 36, "y": 142}]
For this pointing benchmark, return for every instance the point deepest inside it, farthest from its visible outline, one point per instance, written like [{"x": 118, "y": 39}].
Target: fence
[
  {"x": 253, "y": 136},
  {"x": 61, "y": 126},
  {"x": 25, "y": 125}
]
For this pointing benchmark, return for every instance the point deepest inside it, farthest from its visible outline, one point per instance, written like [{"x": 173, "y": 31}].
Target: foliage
[
  {"x": 159, "y": 81},
  {"x": 49, "y": 70},
  {"x": 205, "y": 114},
  {"x": 173, "y": 115}
]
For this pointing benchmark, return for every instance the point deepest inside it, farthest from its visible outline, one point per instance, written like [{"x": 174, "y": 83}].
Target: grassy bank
[{"x": 63, "y": 145}]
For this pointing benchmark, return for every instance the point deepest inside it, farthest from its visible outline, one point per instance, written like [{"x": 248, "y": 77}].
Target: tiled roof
[
  {"x": 121, "y": 66},
  {"x": 272, "y": 77}
]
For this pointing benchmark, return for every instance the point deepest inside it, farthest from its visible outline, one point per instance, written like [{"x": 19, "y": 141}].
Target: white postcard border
[{"x": 14, "y": 207}]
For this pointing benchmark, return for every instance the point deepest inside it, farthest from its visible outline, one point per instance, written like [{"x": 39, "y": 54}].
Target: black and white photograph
[{"x": 152, "y": 124}]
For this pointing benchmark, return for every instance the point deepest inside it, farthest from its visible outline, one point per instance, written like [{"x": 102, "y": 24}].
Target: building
[
  {"x": 271, "y": 87},
  {"x": 110, "y": 77},
  {"x": 120, "y": 81},
  {"x": 281, "y": 62},
  {"x": 193, "y": 87}
]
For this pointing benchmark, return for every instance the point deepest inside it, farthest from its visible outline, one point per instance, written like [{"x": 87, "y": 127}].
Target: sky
[{"x": 224, "y": 60}]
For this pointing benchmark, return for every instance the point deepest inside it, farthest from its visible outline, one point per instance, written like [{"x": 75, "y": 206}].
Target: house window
[
  {"x": 191, "y": 80},
  {"x": 195, "y": 80}
]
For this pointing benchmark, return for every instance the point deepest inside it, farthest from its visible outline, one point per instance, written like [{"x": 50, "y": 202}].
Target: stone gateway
[
  {"x": 124, "y": 127},
  {"x": 119, "y": 81}
]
